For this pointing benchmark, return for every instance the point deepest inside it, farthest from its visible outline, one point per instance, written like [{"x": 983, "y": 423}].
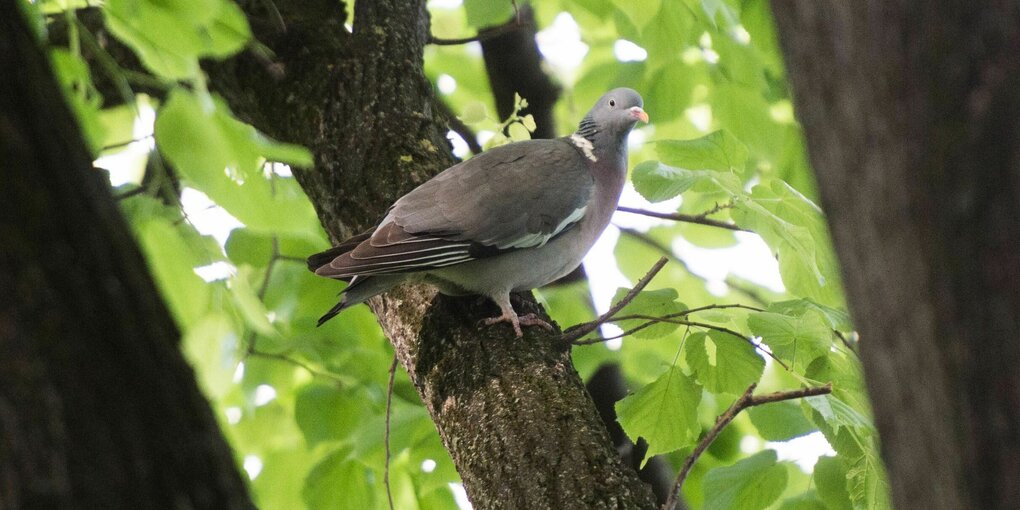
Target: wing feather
[{"x": 515, "y": 196}]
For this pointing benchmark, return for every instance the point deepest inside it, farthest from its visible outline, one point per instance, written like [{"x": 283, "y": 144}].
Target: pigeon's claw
[
  {"x": 506, "y": 317},
  {"x": 533, "y": 320}
]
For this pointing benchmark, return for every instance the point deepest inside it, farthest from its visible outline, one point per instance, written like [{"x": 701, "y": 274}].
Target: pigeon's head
[{"x": 614, "y": 114}]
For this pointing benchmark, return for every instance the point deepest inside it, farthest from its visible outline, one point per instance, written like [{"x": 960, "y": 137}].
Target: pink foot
[
  {"x": 518, "y": 321},
  {"x": 506, "y": 317}
]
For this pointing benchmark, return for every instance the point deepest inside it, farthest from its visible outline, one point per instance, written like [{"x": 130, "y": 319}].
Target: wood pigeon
[{"x": 511, "y": 219}]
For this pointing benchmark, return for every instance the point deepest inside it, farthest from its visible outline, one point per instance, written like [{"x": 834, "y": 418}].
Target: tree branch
[
  {"x": 575, "y": 332},
  {"x": 386, "y": 438},
  {"x": 652, "y": 320},
  {"x": 699, "y": 219},
  {"x": 745, "y": 401},
  {"x": 486, "y": 34}
]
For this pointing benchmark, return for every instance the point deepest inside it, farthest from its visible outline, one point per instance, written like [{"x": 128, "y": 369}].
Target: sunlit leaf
[
  {"x": 798, "y": 339},
  {"x": 831, "y": 481},
  {"x": 750, "y": 484},
  {"x": 723, "y": 363},
  {"x": 780, "y": 421},
  {"x": 719, "y": 151},
  {"x": 657, "y": 182},
  {"x": 664, "y": 412}
]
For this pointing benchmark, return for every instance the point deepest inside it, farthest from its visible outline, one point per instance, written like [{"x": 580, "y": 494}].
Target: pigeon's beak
[{"x": 639, "y": 114}]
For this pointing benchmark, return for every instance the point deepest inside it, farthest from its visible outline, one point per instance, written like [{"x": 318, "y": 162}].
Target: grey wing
[
  {"x": 515, "y": 196},
  {"x": 511, "y": 197}
]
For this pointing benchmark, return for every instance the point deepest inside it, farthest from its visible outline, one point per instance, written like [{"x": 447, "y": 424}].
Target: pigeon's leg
[{"x": 509, "y": 315}]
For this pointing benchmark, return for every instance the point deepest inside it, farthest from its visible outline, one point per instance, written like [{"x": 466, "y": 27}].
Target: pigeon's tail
[
  {"x": 324, "y": 258},
  {"x": 360, "y": 289}
]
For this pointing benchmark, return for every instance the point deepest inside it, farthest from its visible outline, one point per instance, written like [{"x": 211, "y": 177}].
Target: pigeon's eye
[{"x": 612, "y": 102}]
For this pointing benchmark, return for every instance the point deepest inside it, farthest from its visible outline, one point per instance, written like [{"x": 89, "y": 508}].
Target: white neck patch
[{"x": 586, "y": 147}]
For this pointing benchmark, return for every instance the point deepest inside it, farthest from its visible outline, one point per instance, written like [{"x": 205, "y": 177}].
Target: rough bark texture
[
  {"x": 512, "y": 412},
  {"x": 98, "y": 409},
  {"x": 912, "y": 117}
]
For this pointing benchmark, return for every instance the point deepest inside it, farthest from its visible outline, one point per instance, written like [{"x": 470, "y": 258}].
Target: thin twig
[
  {"x": 124, "y": 144},
  {"x": 389, "y": 402},
  {"x": 686, "y": 218},
  {"x": 486, "y": 34},
  {"x": 107, "y": 63},
  {"x": 130, "y": 193},
  {"x": 255, "y": 353},
  {"x": 745, "y": 401},
  {"x": 849, "y": 346},
  {"x": 652, "y": 320},
  {"x": 575, "y": 332}
]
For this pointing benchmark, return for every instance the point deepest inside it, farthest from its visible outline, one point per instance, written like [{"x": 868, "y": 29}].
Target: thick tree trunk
[
  {"x": 98, "y": 409},
  {"x": 513, "y": 413},
  {"x": 912, "y": 117}
]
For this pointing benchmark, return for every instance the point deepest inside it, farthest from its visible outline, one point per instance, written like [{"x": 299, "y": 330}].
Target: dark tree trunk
[
  {"x": 98, "y": 409},
  {"x": 513, "y": 413},
  {"x": 912, "y": 118}
]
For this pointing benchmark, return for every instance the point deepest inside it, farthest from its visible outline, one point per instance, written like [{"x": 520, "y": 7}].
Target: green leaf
[
  {"x": 867, "y": 483},
  {"x": 529, "y": 122},
  {"x": 722, "y": 362},
  {"x": 798, "y": 339},
  {"x": 671, "y": 89},
  {"x": 794, "y": 228},
  {"x": 639, "y": 13},
  {"x": 248, "y": 302},
  {"x": 718, "y": 8},
  {"x": 837, "y": 413},
  {"x": 486, "y": 13},
  {"x": 228, "y": 32},
  {"x": 167, "y": 254},
  {"x": 76, "y": 82},
  {"x": 474, "y": 112},
  {"x": 750, "y": 484},
  {"x": 222, "y": 156},
  {"x": 830, "y": 479},
  {"x": 657, "y": 182},
  {"x": 719, "y": 151},
  {"x": 780, "y": 421},
  {"x": 189, "y": 136},
  {"x": 339, "y": 482},
  {"x": 664, "y": 413},
  {"x": 326, "y": 413},
  {"x": 210, "y": 345},
  {"x": 518, "y": 132},
  {"x": 170, "y": 37},
  {"x": 806, "y": 501},
  {"x": 651, "y": 303},
  {"x": 837, "y": 318}
]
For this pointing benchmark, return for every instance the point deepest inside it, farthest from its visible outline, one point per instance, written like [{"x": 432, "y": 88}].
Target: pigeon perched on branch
[{"x": 511, "y": 219}]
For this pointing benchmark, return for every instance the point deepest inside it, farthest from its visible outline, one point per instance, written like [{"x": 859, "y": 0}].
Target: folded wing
[{"x": 511, "y": 197}]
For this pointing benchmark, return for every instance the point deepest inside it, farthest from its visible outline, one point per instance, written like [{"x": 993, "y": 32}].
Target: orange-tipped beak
[{"x": 639, "y": 114}]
